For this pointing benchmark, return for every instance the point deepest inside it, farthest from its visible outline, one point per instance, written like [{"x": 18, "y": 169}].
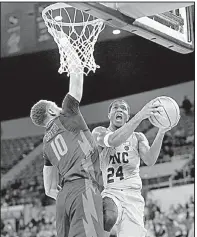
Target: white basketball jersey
[{"x": 120, "y": 165}]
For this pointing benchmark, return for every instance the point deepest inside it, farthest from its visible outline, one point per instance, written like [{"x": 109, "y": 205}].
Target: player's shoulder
[
  {"x": 99, "y": 134},
  {"x": 99, "y": 130}
]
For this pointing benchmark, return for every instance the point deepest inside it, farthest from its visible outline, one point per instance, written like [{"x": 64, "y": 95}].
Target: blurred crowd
[
  {"x": 178, "y": 221},
  {"x": 41, "y": 225},
  {"x": 20, "y": 192},
  {"x": 187, "y": 105},
  {"x": 15, "y": 150}
]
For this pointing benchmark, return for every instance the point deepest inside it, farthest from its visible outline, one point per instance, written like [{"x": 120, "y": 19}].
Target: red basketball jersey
[{"x": 69, "y": 145}]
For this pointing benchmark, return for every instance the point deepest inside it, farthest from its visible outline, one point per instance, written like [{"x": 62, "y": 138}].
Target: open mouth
[{"x": 119, "y": 117}]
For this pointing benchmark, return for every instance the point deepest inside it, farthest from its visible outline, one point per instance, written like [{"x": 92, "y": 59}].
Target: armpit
[{"x": 70, "y": 105}]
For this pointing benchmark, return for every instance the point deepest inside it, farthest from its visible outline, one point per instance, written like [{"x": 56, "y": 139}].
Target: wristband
[{"x": 106, "y": 139}]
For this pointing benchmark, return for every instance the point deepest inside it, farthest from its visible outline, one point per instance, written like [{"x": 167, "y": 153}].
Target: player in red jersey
[{"x": 70, "y": 147}]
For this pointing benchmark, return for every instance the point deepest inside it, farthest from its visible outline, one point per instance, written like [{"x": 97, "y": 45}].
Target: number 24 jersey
[{"x": 120, "y": 165}]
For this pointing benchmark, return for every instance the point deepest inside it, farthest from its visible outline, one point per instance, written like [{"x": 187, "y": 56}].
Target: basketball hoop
[{"x": 75, "y": 33}]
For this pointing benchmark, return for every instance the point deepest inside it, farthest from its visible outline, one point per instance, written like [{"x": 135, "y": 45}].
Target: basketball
[{"x": 170, "y": 113}]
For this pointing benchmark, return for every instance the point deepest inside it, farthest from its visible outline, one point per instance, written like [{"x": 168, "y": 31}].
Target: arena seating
[
  {"x": 28, "y": 183},
  {"x": 187, "y": 122},
  {"x": 42, "y": 225},
  {"x": 176, "y": 222},
  {"x": 178, "y": 141},
  {"x": 14, "y": 150}
]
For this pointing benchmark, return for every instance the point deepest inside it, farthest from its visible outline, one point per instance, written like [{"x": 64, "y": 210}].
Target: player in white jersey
[{"x": 120, "y": 152}]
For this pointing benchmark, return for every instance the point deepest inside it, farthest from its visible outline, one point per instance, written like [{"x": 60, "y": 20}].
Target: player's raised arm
[
  {"x": 150, "y": 154},
  {"x": 119, "y": 136},
  {"x": 76, "y": 75},
  {"x": 73, "y": 98},
  {"x": 76, "y": 86}
]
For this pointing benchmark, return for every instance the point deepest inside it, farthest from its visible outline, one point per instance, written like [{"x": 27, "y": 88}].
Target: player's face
[{"x": 119, "y": 114}]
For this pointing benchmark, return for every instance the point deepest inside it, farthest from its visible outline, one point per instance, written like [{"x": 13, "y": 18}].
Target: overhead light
[{"x": 116, "y": 32}]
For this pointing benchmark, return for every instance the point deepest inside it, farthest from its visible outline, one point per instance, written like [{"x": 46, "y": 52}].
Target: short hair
[
  {"x": 38, "y": 112},
  {"x": 119, "y": 100}
]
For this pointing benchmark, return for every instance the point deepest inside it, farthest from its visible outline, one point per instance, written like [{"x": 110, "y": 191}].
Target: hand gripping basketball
[
  {"x": 169, "y": 116},
  {"x": 150, "y": 109}
]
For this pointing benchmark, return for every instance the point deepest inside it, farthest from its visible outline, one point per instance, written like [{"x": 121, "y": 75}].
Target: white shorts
[{"x": 130, "y": 204}]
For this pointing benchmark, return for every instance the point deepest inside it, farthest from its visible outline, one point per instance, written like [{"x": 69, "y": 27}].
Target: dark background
[{"x": 127, "y": 66}]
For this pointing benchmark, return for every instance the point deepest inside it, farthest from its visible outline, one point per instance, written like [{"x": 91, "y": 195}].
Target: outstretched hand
[{"x": 73, "y": 59}]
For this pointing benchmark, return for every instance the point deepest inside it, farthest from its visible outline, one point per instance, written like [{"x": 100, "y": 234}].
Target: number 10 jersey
[{"x": 69, "y": 145}]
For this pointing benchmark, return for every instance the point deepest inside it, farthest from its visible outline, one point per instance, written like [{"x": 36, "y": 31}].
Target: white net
[{"x": 75, "y": 33}]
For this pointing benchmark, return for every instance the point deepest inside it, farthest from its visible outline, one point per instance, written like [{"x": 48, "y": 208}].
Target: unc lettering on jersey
[
  {"x": 119, "y": 157},
  {"x": 120, "y": 165}
]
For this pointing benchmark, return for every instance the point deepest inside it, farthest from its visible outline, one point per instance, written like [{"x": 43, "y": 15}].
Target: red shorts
[{"x": 79, "y": 210}]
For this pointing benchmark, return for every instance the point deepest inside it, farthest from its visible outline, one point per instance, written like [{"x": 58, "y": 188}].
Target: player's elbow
[
  {"x": 47, "y": 192},
  {"x": 149, "y": 161}
]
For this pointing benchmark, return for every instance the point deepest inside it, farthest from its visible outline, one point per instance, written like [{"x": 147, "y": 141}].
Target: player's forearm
[
  {"x": 123, "y": 133},
  {"x": 52, "y": 193},
  {"x": 76, "y": 85},
  {"x": 152, "y": 154}
]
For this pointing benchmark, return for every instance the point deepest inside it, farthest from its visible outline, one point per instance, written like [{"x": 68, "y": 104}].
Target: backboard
[{"x": 169, "y": 24}]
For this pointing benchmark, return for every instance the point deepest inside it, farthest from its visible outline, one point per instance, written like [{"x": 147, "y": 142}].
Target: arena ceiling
[
  {"x": 23, "y": 29},
  {"x": 27, "y": 29}
]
